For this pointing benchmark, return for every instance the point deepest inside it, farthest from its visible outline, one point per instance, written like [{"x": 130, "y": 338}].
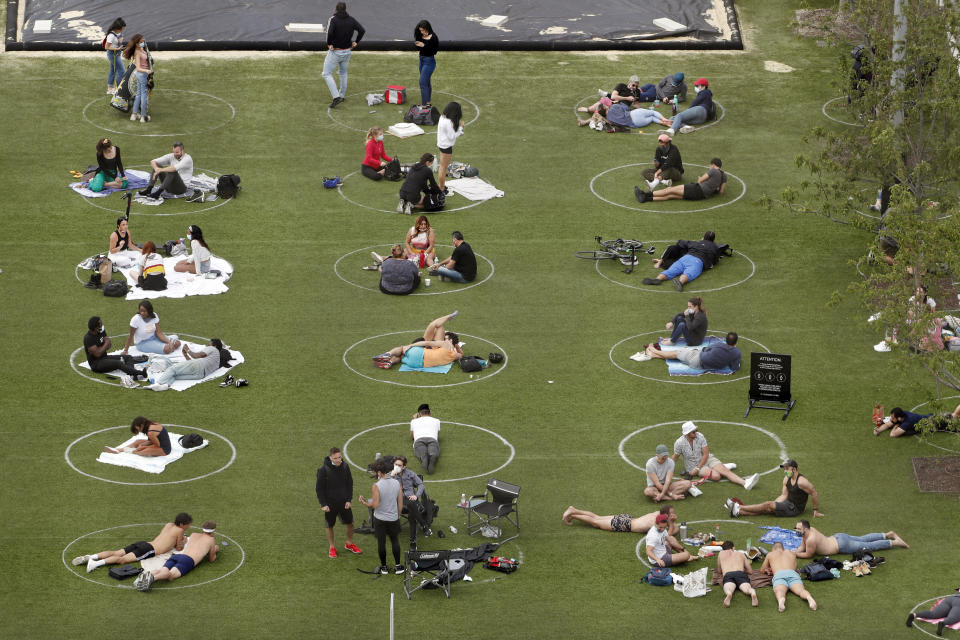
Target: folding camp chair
[
  {"x": 426, "y": 569},
  {"x": 499, "y": 501}
]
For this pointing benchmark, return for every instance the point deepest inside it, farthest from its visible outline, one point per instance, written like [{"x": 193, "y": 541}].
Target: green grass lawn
[{"x": 307, "y": 319}]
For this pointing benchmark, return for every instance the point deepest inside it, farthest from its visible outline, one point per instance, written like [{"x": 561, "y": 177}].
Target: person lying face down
[{"x": 700, "y": 253}]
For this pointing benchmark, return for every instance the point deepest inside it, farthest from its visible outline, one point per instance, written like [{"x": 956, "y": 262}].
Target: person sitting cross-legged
[{"x": 661, "y": 485}]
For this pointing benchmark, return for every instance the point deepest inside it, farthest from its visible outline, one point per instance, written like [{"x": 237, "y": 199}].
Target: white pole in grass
[{"x": 391, "y": 616}]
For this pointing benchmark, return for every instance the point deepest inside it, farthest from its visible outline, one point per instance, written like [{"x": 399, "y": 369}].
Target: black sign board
[{"x": 770, "y": 377}]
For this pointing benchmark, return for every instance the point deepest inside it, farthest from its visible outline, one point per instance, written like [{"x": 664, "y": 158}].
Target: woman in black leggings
[
  {"x": 948, "y": 609},
  {"x": 387, "y": 502}
]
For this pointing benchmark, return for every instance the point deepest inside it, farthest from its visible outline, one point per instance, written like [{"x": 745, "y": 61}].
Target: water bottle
[
  {"x": 683, "y": 530},
  {"x": 656, "y": 103},
  {"x": 378, "y": 455},
  {"x": 463, "y": 500},
  {"x": 676, "y": 102}
]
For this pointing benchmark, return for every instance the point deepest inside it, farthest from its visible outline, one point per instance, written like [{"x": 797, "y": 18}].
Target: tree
[{"x": 909, "y": 146}]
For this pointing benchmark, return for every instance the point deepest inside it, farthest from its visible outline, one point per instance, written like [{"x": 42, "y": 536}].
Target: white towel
[
  {"x": 405, "y": 130},
  {"x": 150, "y": 464},
  {"x": 179, "y": 385},
  {"x": 474, "y": 189}
]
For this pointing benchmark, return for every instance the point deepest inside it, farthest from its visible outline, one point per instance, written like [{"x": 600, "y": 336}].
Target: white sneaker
[
  {"x": 92, "y": 564},
  {"x": 400, "y": 205},
  {"x": 667, "y": 183},
  {"x": 158, "y": 387},
  {"x": 408, "y": 208},
  {"x": 128, "y": 382},
  {"x": 687, "y": 129},
  {"x": 652, "y": 184},
  {"x": 639, "y": 356},
  {"x": 134, "y": 117},
  {"x": 730, "y": 465},
  {"x": 882, "y": 347},
  {"x": 727, "y": 503},
  {"x": 874, "y": 317},
  {"x": 670, "y": 132},
  {"x": 377, "y": 259},
  {"x": 80, "y": 560},
  {"x": 751, "y": 482},
  {"x": 602, "y": 93},
  {"x": 735, "y": 510}
]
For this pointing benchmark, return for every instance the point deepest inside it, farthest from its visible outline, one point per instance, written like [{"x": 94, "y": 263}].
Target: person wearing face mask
[
  {"x": 375, "y": 158},
  {"x": 137, "y": 51},
  {"x": 691, "y": 324},
  {"x": 416, "y": 502},
  {"x": 697, "y": 113},
  {"x": 791, "y": 502},
  {"x": 96, "y": 345},
  {"x": 199, "y": 260},
  {"x": 672, "y": 85},
  {"x": 335, "y": 492}
]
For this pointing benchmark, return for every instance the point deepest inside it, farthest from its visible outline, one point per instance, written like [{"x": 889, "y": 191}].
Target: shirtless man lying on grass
[
  {"x": 200, "y": 546},
  {"x": 816, "y": 544},
  {"x": 782, "y": 565},
  {"x": 172, "y": 536},
  {"x": 735, "y": 568},
  {"x": 622, "y": 522}
]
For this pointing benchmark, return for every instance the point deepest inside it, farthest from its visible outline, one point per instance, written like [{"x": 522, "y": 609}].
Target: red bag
[
  {"x": 395, "y": 94},
  {"x": 423, "y": 260}
]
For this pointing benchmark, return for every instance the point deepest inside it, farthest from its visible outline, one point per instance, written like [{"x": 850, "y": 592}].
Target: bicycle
[{"x": 623, "y": 250}]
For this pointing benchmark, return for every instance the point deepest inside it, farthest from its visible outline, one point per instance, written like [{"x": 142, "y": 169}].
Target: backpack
[
  {"x": 499, "y": 563},
  {"x": 391, "y": 171},
  {"x": 115, "y": 289},
  {"x": 419, "y": 114},
  {"x": 659, "y": 577},
  {"x": 712, "y": 111},
  {"x": 469, "y": 364},
  {"x": 228, "y": 186},
  {"x": 395, "y": 94},
  {"x": 191, "y": 440},
  {"x": 123, "y": 571},
  {"x": 434, "y": 200},
  {"x": 816, "y": 572}
]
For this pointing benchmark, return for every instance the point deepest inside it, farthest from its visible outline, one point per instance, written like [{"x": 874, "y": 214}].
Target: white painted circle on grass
[
  {"x": 667, "y": 287},
  {"x": 97, "y": 377},
  {"x": 719, "y": 333},
  {"x": 153, "y": 124},
  {"x": 917, "y": 606},
  {"x": 233, "y": 456},
  {"x": 481, "y": 378},
  {"x": 330, "y": 111},
  {"x": 121, "y": 585},
  {"x": 646, "y": 210},
  {"x": 641, "y": 547},
  {"x": 458, "y": 288},
  {"x": 406, "y": 425},
  {"x": 824, "y": 110},
  {"x": 148, "y": 209},
  {"x": 698, "y": 127},
  {"x": 642, "y": 467},
  {"x": 924, "y": 440},
  {"x": 394, "y": 211}
]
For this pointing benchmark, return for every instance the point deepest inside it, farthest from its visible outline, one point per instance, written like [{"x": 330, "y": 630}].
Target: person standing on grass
[
  {"x": 449, "y": 128},
  {"x": 114, "y": 46},
  {"x": 426, "y": 40},
  {"x": 340, "y": 43},
  {"x": 335, "y": 491},
  {"x": 170, "y": 537},
  {"x": 136, "y": 50},
  {"x": 461, "y": 266},
  {"x": 387, "y": 502},
  {"x": 782, "y": 565}
]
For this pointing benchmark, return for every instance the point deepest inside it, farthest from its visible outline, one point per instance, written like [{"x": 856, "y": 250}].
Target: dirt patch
[
  {"x": 937, "y": 475},
  {"x": 825, "y": 24}
]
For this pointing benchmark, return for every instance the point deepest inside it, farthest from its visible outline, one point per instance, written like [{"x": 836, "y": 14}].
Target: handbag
[{"x": 658, "y": 577}]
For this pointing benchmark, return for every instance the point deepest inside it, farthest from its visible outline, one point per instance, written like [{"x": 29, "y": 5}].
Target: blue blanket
[
  {"x": 788, "y": 537},
  {"x": 677, "y": 368},
  {"x": 136, "y": 180},
  {"x": 440, "y": 368}
]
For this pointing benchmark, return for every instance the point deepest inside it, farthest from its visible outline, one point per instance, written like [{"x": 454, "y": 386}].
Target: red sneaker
[
  {"x": 352, "y": 547},
  {"x": 333, "y": 552}
]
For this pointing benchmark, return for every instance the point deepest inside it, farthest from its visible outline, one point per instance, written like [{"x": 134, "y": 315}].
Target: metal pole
[
  {"x": 391, "y": 616},
  {"x": 897, "y": 55}
]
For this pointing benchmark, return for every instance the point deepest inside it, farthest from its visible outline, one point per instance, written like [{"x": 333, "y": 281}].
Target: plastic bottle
[
  {"x": 749, "y": 543},
  {"x": 656, "y": 103},
  {"x": 463, "y": 500},
  {"x": 683, "y": 530},
  {"x": 676, "y": 103}
]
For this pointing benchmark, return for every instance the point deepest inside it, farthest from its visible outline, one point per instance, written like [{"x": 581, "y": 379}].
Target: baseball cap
[
  {"x": 678, "y": 77},
  {"x": 663, "y": 518},
  {"x": 662, "y": 450},
  {"x": 634, "y": 79},
  {"x": 664, "y": 138},
  {"x": 688, "y": 427},
  {"x": 701, "y": 82},
  {"x": 789, "y": 463}
]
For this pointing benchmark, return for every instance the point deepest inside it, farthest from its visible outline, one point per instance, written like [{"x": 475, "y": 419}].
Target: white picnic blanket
[
  {"x": 179, "y": 285},
  {"x": 474, "y": 189},
  {"x": 150, "y": 464},
  {"x": 178, "y": 385}
]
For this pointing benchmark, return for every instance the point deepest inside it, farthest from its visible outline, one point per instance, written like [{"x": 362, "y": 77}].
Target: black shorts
[
  {"x": 786, "y": 509},
  {"x": 448, "y": 150},
  {"x": 692, "y": 191},
  {"x": 338, "y": 509},
  {"x": 736, "y": 577},
  {"x": 141, "y": 550}
]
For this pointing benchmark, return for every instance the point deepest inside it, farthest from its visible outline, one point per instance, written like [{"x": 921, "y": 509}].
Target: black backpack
[
  {"x": 712, "y": 111},
  {"x": 391, "y": 171},
  {"x": 191, "y": 440},
  {"x": 434, "y": 200},
  {"x": 816, "y": 572},
  {"x": 228, "y": 186},
  {"x": 124, "y": 571},
  {"x": 115, "y": 289},
  {"x": 418, "y": 114},
  {"x": 469, "y": 364}
]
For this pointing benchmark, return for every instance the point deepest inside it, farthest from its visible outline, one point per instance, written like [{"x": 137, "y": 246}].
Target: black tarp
[{"x": 531, "y": 24}]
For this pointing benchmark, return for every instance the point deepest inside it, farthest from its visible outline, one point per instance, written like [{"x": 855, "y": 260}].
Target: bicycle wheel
[{"x": 596, "y": 255}]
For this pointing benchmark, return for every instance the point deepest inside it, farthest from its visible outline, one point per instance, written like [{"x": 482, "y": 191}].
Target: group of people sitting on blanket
[
  {"x": 146, "y": 335},
  {"x": 172, "y": 171},
  {"x": 190, "y": 552},
  {"x": 618, "y": 110},
  {"x": 400, "y": 271},
  {"x": 150, "y": 273}
]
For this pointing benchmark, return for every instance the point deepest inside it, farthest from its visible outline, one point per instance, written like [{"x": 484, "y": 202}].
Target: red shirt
[{"x": 375, "y": 153}]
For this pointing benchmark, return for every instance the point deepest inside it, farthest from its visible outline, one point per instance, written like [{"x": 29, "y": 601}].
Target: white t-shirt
[
  {"x": 659, "y": 470},
  {"x": 184, "y": 165},
  {"x": 425, "y": 427},
  {"x": 144, "y": 328},
  {"x": 211, "y": 361},
  {"x": 690, "y": 453},
  {"x": 199, "y": 254},
  {"x": 113, "y": 40},
  {"x": 658, "y": 540}
]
